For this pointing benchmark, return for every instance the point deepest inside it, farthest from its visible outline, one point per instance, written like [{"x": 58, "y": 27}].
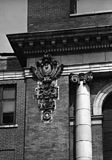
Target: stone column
[{"x": 83, "y": 117}]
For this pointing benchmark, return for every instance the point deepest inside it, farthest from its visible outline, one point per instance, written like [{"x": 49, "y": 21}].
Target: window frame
[
  {"x": 76, "y": 13},
  {"x": 2, "y": 87}
]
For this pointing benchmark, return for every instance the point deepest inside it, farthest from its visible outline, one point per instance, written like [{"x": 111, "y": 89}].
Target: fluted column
[{"x": 83, "y": 117}]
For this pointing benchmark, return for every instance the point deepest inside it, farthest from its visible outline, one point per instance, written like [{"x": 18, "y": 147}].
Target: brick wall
[
  {"x": 97, "y": 142},
  {"x": 46, "y": 13},
  {"x": 13, "y": 64},
  {"x": 7, "y": 154},
  {"x": 10, "y": 64},
  {"x": 55, "y": 14},
  {"x": 47, "y": 141},
  {"x": 12, "y": 138}
]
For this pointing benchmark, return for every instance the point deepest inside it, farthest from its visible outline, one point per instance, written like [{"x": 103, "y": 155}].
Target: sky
[{"x": 13, "y": 19}]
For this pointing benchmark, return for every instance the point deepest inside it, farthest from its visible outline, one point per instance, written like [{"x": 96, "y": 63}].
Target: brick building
[{"x": 56, "y": 89}]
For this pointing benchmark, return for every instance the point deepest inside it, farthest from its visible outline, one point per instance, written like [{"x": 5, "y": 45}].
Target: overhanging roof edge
[
  {"x": 76, "y": 31},
  {"x": 23, "y": 49}
]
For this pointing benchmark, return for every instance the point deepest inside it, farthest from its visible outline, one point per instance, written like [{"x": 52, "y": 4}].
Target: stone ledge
[{"x": 9, "y": 126}]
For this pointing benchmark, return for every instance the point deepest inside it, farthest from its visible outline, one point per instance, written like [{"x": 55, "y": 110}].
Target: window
[
  {"x": 89, "y": 6},
  {"x": 7, "y": 104}
]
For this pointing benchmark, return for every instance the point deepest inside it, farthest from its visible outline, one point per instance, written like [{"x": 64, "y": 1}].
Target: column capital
[{"x": 85, "y": 77}]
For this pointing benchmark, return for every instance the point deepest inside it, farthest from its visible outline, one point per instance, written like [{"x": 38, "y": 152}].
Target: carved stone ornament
[
  {"x": 47, "y": 69},
  {"x": 46, "y": 72},
  {"x": 85, "y": 77}
]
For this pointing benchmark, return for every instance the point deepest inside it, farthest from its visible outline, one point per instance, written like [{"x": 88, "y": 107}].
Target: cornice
[{"x": 62, "y": 41}]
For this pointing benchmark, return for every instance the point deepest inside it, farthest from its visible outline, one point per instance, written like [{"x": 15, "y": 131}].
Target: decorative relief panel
[{"x": 46, "y": 72}]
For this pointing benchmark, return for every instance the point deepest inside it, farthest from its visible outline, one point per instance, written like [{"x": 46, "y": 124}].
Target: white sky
[{"x": 13, "y": 19}]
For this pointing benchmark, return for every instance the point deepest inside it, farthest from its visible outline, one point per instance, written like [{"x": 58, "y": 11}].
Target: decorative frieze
[{"x": 46, "y": 72}]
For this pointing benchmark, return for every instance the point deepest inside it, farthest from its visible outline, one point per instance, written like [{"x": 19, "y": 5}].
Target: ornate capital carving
[
  {"x": 85, "y": 77},
  {"x": 46, "y": 72}
]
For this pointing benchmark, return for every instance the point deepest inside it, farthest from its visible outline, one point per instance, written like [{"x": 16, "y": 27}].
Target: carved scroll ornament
[
  {"x": 85, "y": 77},
  {"x": 46, "y": 72}
]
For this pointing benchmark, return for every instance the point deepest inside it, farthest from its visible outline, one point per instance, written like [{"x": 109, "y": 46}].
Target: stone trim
[
  {"x": 96, "y": 120},
  {"x": 11, "y": 75},
  {"x": 9, "y": 126},
  {"x": 90, "y": 13},
  {"x": 98, "y": 102},
  {"x": 72, "y": 123},
  {"x": 95, "y": 68}
]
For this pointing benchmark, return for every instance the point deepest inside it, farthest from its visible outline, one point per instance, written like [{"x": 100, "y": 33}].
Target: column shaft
[{"x": 83, "y": 123}]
